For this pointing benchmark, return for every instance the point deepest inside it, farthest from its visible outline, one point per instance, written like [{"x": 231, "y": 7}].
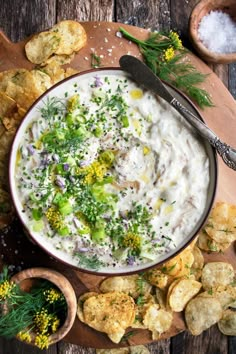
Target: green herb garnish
[
  {"x": 163, "y": 53},
  {"x": 89, "y": 262},
  {"x": 95, "y": 61}
]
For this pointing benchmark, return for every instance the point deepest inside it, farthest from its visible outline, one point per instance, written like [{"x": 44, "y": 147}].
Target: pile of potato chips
[
  {"x": 220, "y": 230},
  {"x": 19, "y": 89},
  {"x": 205, "y": 292}
]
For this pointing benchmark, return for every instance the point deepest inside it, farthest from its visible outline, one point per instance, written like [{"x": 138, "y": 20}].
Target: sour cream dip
[{"x": 108, "y": 176}]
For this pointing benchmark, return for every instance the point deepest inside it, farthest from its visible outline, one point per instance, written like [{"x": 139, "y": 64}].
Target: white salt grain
[{"x": 217, "y": 31}]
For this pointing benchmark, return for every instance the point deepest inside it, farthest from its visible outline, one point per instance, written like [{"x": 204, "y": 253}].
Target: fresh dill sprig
[
  {"x": 89, "y": 262},
  {"x": 53, "y": 106},
  {"x": 164, "y": 54},
  {"x": 95, "y": 61}
]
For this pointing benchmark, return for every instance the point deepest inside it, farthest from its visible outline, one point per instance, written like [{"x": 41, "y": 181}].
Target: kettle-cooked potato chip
[
  {"x": 201, "y": 313},
  {"x": 8, "y": 105},
  {"x": 157, "y": 278},
  {"x": 206, "y": 243},
  {"x": 73, "y": 36},
  {"x": 182, "y": 293},
  {"x": 157, "y": 320},
  {"x": 41, "y": 46},
  {"x": 111, "y": 313},
  {"x": 221, "y": 224},
  {"x": 198, "y": 263},
  {"x": 133, "y": 285},
  {"x": 81, "y": 301},
  {"x": 226, "y": 295},
  {"x": 142, "y": 304},
  {"x": 217, "y": 274},
  {"x": 227, "y": 324}
]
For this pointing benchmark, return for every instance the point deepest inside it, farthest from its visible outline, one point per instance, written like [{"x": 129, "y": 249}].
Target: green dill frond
[
  {"x": 92, "y": 263},
  {"x": 53, "y": 106},
  {"x": 95, "y": 61}
]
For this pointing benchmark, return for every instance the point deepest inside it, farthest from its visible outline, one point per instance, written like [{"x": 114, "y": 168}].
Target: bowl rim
[
  {"x": 63, "y": 284},
  {"x": 128, "y": 272},
  {"x": 199, "y": 46}
]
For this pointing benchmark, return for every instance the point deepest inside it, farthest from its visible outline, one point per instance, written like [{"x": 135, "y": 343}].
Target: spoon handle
[
  {"x": 144, "y": 76},
  {"x": 227, "y": 153}
]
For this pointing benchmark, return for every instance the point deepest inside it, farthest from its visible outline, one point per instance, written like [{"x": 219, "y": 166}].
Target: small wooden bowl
[
  {"x": 202, "y": 9},
  {"x": 26, "y": 278}
]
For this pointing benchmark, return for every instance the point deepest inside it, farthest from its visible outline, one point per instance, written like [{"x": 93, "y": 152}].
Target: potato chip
[
  {"x": 172, "y": 267},
  {"x": 8, "y": 105},
  {"x": 55, "y": 72},
  {"x": 206, "y": 243},
  {"x": 198, "y": 263},
  {"x": 221, "y": 224},
  {"x": 41, "y": 46},
  {"x": 217, "y": 274},
  {"x": 142, "y": 304},
  {"x": 59, "y": 59},
  {"x": 134, "y": 285},
  {"x": 186, "y": 261},
  {"x": 157, "y": 278},
  {"x": 24, "y": 97},
  {"x": 9, "y": 75},
  {"x": 73, "y": 37},
  {"x": 161, "y": 298},
  {"x": 111, "y": 313},
  {"x": 41, "y": 80},
  {"x": 113, "y": 351},
  {"x": 81, "y": 301},
  {"x": 70, "y": 72},
  {"x": 117, "y": 336},
  {"x": 182, "y": 293},
  {"x": 157, "y": 320},
  {"x": 226, "y": 295},
  {"x": 227, "y": 324},
  {"x": 201, "y": 313}
]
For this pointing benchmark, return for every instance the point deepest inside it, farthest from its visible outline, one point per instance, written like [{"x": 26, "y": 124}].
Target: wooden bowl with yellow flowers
[{"x": 40, "y": 306}]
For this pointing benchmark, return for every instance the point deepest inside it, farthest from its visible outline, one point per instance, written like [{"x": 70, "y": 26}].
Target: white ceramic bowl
[{"x": 58, "y": 90}]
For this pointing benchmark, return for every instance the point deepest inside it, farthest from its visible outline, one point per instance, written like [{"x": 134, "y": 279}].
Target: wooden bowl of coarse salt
[{"x": 212, "y": 29}]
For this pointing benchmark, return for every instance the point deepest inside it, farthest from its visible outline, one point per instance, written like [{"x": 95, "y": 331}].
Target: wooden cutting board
[{"x": 17, "y": 250}]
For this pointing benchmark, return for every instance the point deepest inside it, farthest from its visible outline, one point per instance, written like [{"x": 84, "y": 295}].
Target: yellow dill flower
[
  {"x": 94, "y": 172},
  {"x": 24, "y": 336},
  {"x": 42, "y": 321},
  {"x": 6, "y": 289},
  {"x": 54, "y": 218},
  {"x": 169, "y": 54},
  {"x": 55, "y": 324},
  {"x": 42, "y": 341},
  {"x": 73, "y": 103},
  {"x": 176, "y": 41},
  {"x": 52, "y": 295},
  {"x": 132, "y": 241}
]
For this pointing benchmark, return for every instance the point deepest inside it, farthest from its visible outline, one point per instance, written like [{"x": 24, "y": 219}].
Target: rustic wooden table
[{"x": 21, "y": 18}]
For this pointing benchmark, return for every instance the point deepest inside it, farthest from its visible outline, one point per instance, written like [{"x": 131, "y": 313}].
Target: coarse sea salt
[{"x": 217, "y": 31}]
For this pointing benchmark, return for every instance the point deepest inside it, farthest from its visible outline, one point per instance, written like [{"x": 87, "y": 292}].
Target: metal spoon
[{"x": 144, "y": 76}]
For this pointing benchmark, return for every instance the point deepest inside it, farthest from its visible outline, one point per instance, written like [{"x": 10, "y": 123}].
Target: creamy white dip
[{"x": 111, "y": 175}]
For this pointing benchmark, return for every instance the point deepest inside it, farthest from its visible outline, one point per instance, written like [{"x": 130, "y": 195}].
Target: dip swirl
[{"x": 111, "y": 175}]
